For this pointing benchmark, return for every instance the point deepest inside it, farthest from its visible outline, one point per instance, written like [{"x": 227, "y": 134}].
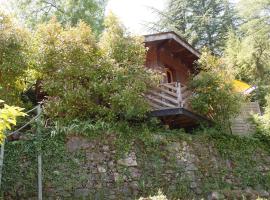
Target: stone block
[
  {"x": 129, "y": 160},
  {"x": 75, "y": 143},
  {"x": 215, "y": 196},
  {"x": 101, "y": 169},
  {"x": 82, "y": 192},
  {"x": 93, "y": 156}
]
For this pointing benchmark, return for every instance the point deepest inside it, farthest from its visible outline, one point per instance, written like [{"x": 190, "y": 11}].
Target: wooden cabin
[{"x": 172, "y": 56}]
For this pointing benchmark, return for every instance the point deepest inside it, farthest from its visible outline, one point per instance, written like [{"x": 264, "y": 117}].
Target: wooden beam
[
  {"x": 166, "y": 91},
  {"x": 161, "y": 102},
  {"x": 164, "y": 96},
  {"x": 180, "y": 111},
  {"x": 179, "y": 50},
  {"x": 171, "y": 35}
]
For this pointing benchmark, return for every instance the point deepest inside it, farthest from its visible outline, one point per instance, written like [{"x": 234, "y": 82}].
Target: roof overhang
[{"x": 171, "y": 36}]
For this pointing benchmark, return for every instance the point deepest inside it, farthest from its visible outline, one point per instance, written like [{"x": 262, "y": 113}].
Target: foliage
[
  {"x": 213, "y": 91},
  {"x": 242, "y": 158},
  {"x": 86, "y": 79},
  {"x": 117, "y": 44},
  {"x": 13, "y": 59},
  {"x": 249, "y": 56},
  {"x": 131, "y": 79},
  {"x": 96, "y": 87},
  {"x": 8, "y": 115},
  {"x": 201, "y": 22},
  {"x": 67, "y": 11},
  {"x": 263, "y": 124},
  {"x": 20, "y": 163},
  {"x": 247, "y": 48}
]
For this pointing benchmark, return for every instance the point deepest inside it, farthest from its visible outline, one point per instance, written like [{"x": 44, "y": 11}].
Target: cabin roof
[{"x": 172, "y": 36}]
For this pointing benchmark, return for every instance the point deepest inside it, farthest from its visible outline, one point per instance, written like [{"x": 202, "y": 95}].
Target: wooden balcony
[
  {"x": 170, "y": 102},
  {"x": 169, "y": 95}
]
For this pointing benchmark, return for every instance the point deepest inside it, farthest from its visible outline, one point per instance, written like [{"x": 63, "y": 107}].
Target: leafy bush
[
  {"x": 13, "y": 59},
  {"x": 131, "y": 79},
  {"x": 8, "y": 115},
  {"x": 263, "y": 124},
  {"x": 86, "y": 79},
  {"x": 214, "y": 94}
]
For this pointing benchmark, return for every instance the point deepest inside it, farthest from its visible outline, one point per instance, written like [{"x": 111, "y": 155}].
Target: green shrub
[
  {"x": 13, "y": 60},
  {"x": 214, "y": 95},
  {"x": 8, "y": 116},
  {"x": 263, "y": 124},
  {"x": 86, "y": 79}
]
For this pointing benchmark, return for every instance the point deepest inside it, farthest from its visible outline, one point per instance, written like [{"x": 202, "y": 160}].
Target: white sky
[
  {"x": 134, "y": 13},
  {"x": 2, "y": 2}
]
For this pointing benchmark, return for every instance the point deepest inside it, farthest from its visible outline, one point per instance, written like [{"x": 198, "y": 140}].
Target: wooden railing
[{"x": 169, "y": 95}]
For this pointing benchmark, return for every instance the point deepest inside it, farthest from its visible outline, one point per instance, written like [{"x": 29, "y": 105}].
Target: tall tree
[
  {"x": 67, "y": 11},
  {"x": 248, "y": 48},
  {"x": 201, "y": 22}
]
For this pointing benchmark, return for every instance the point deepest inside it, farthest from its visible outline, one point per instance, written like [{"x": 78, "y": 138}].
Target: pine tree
[{"x": 201, "y": 22}]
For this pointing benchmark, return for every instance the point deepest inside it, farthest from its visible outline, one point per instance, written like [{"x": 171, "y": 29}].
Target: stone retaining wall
[{"x": 178, "y": 168}]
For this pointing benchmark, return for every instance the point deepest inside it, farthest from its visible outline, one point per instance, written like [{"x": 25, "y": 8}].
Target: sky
[{"x": 134, "y": 13}]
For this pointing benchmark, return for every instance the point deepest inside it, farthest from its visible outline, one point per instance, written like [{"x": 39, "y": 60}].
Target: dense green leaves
[
  {"x": 80, "y": 76},
  {"x": 8, "y": 115},
  {"x": 213, "y": 91},
  {"x": 248, "y": 48},
  {"x": 85, "y": 79},
  {"x": 263, "y": 123},
  {"x": 66, "y": 60},
  {"x": 13, "y": 59},
  {"x": 130, "y": 77},
  {"x": 67, "y": 11},
  {"x": 201, "y": 22},
  {"x": 106, "y": 78}
]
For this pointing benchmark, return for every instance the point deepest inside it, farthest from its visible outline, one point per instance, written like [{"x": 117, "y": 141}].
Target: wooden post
[
  {"x": 39, "y": 156},
  {"x": 39, "y": 177},
  {"x": 179, "y": 95},
  {"x": 2, "y": 161}
]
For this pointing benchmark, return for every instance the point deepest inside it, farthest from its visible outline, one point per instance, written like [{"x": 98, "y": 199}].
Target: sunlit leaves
[
  {"x": 13, "y": 59},
  {"x": 248, "y": 48},
  {"x": 87, "y": 79},
  {"x": 67, "y": 12},
  {"x": 8, "y": 115},
  {"x": 213, "y": 91}
]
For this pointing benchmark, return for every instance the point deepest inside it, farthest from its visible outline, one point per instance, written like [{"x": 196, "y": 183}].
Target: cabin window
[{"x": 169, "y": 75}]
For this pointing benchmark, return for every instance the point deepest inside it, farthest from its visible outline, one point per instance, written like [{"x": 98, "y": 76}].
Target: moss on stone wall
[{"x": 183, "y": 166}]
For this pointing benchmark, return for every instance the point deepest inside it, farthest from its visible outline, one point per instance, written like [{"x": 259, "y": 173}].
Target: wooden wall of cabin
[{"x": 161, "y": 58}]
